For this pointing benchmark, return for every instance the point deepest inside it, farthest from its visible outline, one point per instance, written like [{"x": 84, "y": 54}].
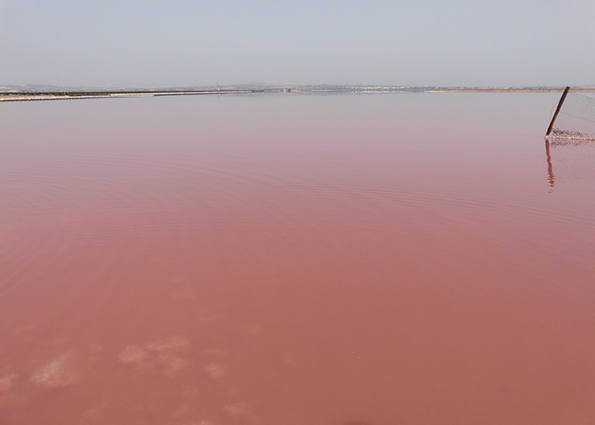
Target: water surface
[{"x": 325, "y": 260}]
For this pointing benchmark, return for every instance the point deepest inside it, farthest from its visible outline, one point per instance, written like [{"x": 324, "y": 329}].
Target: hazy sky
[{"x": 174, "y": 42}]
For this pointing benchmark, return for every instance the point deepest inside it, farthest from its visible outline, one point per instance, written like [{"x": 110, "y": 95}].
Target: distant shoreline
[{"x": 18, "y": 95}]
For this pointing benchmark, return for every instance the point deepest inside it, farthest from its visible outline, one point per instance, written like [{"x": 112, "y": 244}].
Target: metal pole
[{"x": 551, "y": 127}]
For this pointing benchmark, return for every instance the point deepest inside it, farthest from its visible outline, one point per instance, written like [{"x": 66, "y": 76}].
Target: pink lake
[{"x": 293, "y": 260}]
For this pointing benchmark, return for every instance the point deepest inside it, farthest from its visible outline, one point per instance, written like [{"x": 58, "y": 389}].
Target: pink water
[{"x": 293, "y": 260}]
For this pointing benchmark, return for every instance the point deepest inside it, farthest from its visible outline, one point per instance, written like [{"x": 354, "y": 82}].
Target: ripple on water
[
  {"x": 356, "y": 423},
  {"x": 7, "y": 382},
  {"x": 58, "y": 373},
  {"x": 132, "y": 354},
  {"x": 239, "y": 411},
  {"x": 216, "y": 371},
  {"x": 162, "y": 354},
  {"x": 172, "y": 365},
  {"x": 174, "y": 343}
]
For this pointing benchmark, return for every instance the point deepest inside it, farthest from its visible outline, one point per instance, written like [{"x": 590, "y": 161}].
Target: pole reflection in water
[
  {"x": 551, "y": 178},
  {"x": 579, "y": 165}
]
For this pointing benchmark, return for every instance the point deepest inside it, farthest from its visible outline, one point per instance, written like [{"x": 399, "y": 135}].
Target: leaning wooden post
[{"x": 551, "y": 127}]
